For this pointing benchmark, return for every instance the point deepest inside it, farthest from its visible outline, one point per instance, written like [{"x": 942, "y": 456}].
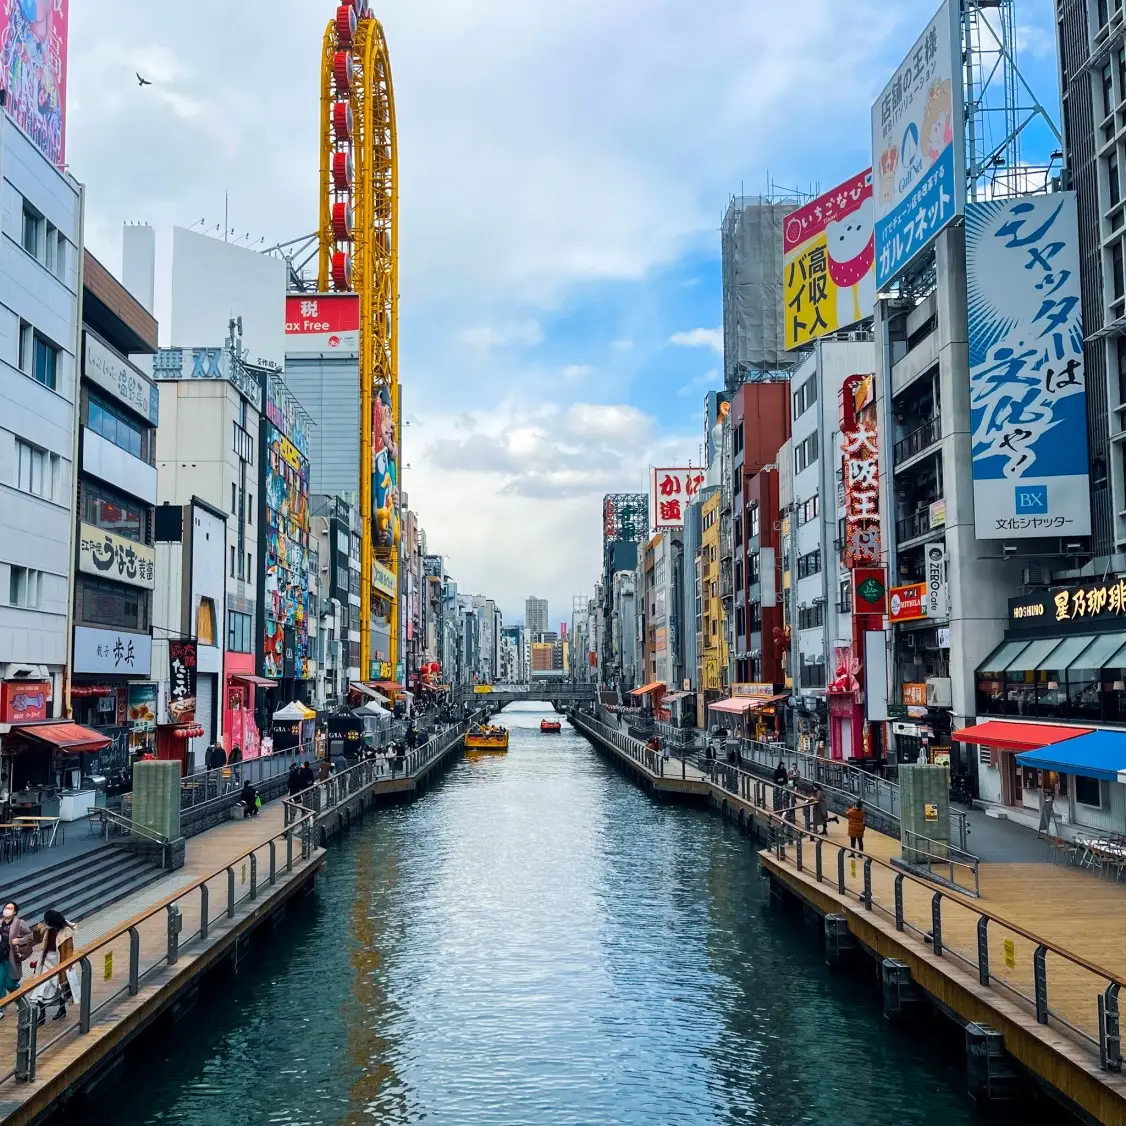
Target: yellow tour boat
[{"x": 483, "y": 738}]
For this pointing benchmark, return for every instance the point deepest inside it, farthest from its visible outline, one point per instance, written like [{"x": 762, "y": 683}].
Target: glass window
[
  {"x": 46, "y": 362},
  {"x": 1034, "y": 656},
  {"x": 1116, "y": 271},
  {"x": 113, "y": 512},
  {"x": 32, "y": 231},
  {"x": 116, "y": 426},
  {"x": 1088, "y": 791},
  {"x": 1112, "y": 180},
  {"x": 110, "y": 604},
  {"x": 32, "y": 469},
  {"x": 999, "y": 659},
  {"x": 1108, "y": 89}
]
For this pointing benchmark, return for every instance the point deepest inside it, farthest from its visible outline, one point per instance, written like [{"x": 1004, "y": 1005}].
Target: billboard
[
  {"x": 861, "y": 472},
  {"x": 624, "y": 517},
  {"x": 110, "y": 556},
  {"x": 33, "y": 40},
  {"x": 828, "y": 247},
  {"x": 214, "y": 282},
  {"x": 907, "y": 603},
  {"x": 182, "y": 663},
  {"x": 385, "y": 472},
  {"x": 322, "y": 322},
  {"x": 918, "y": 165},
  {"x": 1028, "y": 391},
  {"x": 672, "y": 491},
  {"x": 717, "y": 404}
]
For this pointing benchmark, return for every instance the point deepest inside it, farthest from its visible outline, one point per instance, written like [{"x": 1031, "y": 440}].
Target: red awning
[
  {"x": 387, "y": 685},
  {"x": 1018, "y": 736},
  {"x": 644, "y": 691},
  {"x": 67, "y": 736},
  {"x": 257, "y": 681}
]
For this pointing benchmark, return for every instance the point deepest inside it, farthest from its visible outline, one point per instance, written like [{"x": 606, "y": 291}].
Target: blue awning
[{"x": 1101, "y": 754}]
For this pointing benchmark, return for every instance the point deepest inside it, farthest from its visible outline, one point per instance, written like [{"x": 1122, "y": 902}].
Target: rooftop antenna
[{"x": 226, "y": 215}]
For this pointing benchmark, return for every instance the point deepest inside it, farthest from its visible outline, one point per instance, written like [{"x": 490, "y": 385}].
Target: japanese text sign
[
  {"x": 917, "y": 162},
  {"x": 673, "y": 490},
  {"x": 116, "y": 652},
  {"x": 915, "y": 694},
  {"x": 182, "y": 654},
  {"x": 907, "y": 604},
  {"x": 322, "y": 322},
  {"x": 1079, "y": 608},
  {"x": 33, "y": 50},
  {"x": 828, "y": 249},
  {"x": 861, "y": 468},
  {"x": 1028, "y": 388},
  {"x": 114, "y": 557}
]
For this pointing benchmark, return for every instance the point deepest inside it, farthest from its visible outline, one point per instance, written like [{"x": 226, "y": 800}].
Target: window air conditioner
[{"x": 938, "y": 692}]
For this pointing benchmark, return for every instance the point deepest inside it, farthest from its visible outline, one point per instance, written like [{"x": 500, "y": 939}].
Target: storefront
[
  {"x": 293, "y": 726},
  {"x": 245, "y": 701},
  {"x": 44, "y": 769}
]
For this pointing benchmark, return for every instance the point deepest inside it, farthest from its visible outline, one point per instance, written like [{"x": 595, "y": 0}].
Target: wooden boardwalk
[{"x": 65, "y": 1056}]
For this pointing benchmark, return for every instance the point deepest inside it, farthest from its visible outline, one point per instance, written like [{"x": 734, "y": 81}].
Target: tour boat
[
  {"x": 550, "y": 726},
  {"x": 483, "y": 739}
]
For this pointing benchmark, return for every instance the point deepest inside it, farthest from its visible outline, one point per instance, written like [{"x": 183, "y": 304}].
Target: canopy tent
[
  {"x": 71, "y": 737},
  {"x": 1017, "y": 736},
  {"x": 676, "y": 696},
  {"x": 737, "y": 705},
  {"x": 1099, "y": 754},
  {"x": 373, "y": 707},
  {"x": 648, "y": 688},
  {"x": 295, "y": 711}
]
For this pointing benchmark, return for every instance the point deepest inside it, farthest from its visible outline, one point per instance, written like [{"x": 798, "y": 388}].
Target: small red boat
[{"x": 550, "y": 726}]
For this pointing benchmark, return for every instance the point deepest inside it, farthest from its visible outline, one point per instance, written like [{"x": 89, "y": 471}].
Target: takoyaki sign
[{"x": 829, "y": 279}]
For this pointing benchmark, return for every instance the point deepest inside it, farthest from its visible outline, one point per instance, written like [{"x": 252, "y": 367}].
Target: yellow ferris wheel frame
[{"x": 375, "y": 277}]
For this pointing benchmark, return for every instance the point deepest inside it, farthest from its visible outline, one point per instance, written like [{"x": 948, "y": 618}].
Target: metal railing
[
  {"x": 326, "y": 795},
  {"x": 134, "y": 953},
  {"x": 917, "y": 524},
  {"x": 1061, "y": 988},
  {"x": 917, "y": 441},
  {"x": 207, "y": 785},
  {"x": 963, "y": 869}
]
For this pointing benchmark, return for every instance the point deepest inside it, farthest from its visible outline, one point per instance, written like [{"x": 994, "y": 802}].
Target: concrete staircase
[{"x": 82, "y": 885}]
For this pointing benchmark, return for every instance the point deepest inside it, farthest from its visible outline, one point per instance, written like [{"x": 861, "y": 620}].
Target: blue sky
[{"x": 563, "y": 173}]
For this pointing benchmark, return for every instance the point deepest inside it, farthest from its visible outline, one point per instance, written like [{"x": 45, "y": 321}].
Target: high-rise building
[{"x": 535, "y": 614}]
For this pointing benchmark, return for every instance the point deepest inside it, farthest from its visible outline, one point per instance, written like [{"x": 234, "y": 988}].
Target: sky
[{"x": 564, "y": 169}]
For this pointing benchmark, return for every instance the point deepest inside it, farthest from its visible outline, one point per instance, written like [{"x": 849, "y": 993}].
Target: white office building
[{"x": 40, "y": 251}]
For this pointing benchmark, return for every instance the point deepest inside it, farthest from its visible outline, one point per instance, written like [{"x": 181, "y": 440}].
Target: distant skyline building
[{"x": 535, "y": 614}]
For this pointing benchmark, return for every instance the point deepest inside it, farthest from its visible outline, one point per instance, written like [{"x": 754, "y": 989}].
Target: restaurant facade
[{"x": 1050, "y": 705}]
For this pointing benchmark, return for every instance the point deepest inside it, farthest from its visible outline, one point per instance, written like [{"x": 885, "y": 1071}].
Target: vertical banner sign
[
  {"x": 938, "y": 591},
  {"x": 33, "y": 42},
  {"x": 673, "y": 490},
  {"x": 918, "y": 164},
  {"x": 860, "y": 447},
  {"x": 828, "y": 255},
  {"x": 1028, "y": 390},
  {"x": 181, "y": 680}
]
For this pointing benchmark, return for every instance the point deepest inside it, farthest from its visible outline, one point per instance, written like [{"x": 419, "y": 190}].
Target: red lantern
[
  {"x": 342, "y": 221},
  {"x": 342, "y": 171},
  {"x": 345, "y": 25},
  {"x": 342, "y": 121},
  {"x": 341, "y": 270}
]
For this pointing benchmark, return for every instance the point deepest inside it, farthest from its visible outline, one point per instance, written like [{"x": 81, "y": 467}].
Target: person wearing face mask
[
  {"x": 57, "y": 936},
  {"x": 16, "y": 941}
]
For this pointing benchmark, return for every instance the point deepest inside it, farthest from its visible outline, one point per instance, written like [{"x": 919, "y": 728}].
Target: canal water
[{"x": 537, "y": 942}]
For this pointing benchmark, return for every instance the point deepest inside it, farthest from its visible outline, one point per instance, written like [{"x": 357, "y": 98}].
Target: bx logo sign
[{"x": 1032, "y": 500}]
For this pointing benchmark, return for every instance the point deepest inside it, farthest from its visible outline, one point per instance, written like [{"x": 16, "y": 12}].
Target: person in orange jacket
[{"x": 855, "y": 817}]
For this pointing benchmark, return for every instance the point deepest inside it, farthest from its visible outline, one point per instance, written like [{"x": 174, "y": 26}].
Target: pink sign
[{"x": 33, "y": 37}]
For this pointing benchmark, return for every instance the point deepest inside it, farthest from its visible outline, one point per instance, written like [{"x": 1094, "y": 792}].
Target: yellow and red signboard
[
  {"x": 907, "y": 603},
  {"x": 828, "y": 273}
]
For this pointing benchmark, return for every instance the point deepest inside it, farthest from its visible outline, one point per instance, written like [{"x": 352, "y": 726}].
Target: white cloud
[
  {"x": 577, "y": 371},
  {"x": 537, "y": 476},
  {"x": 705, "y": 382},
  {"x": 622, "y": 345},
  {"x": 699, "y": 338},
  {"x": 485, "y": 339},
  {"x": 1036, "y": 41}
]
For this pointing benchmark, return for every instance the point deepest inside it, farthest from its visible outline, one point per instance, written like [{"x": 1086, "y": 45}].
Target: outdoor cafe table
[{"x": 39, "y": 823}]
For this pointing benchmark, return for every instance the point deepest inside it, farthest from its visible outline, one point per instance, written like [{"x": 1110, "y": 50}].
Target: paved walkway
[{"x": 60, "y": 1045}]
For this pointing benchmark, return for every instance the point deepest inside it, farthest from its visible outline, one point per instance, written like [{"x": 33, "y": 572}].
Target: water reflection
[{"x": 535, "y": 941}]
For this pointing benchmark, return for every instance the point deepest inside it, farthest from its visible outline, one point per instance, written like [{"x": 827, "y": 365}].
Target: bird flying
[{"x": 143, "y": 81}]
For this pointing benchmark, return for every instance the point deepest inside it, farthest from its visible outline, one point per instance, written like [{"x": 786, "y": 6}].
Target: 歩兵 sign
[
  {"x": 917, "y": 165},
  {"x": 116, "y": 652},
  {"x": 907, "y": 603},
  {"x": 121, "y": 379},
  {"x": 110, "y": 556},
  {"x": 938, "y": 590},
  {"x": 1028, "y": 387},
  {"x": 322, "y": 322},
  {"x": 182, "y": 665},
  {"x": 828, "y": 251},
  {"x": 673, "y": 490}
]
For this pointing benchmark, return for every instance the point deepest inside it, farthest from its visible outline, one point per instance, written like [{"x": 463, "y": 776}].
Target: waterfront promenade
[{"x": 1030, "y": 957}]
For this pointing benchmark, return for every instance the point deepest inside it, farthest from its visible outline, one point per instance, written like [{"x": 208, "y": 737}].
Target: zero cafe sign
[{"x": 1103, "y": 601}]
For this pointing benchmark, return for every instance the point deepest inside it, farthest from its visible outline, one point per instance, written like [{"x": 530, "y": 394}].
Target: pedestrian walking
[
  {"x": 236, "y": 755},
  {"x": 780, "y": 780},
  {"x": 856, "y": 817},
  {"x": 56, "y": 936},
  {"x": 16, "y": 942},
  {"x": 820, "y": 812},
  {"x": 294, "y": 780},
  {"x": 307, "y": 777},
  {"x": 216, "y": 757}
]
